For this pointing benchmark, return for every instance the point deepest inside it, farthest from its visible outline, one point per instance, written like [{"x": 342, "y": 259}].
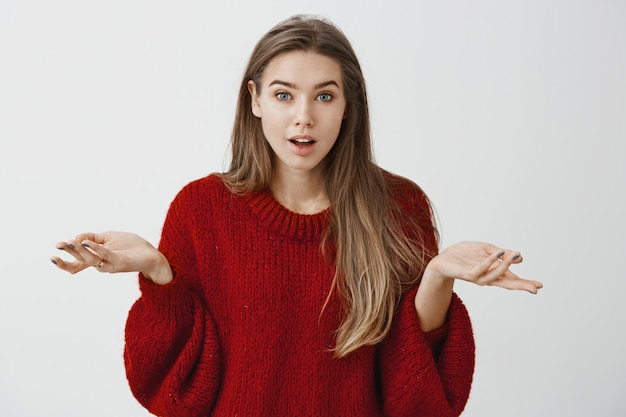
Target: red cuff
[
  {"x": 170, "y": 300},
  {"x": 436, "y": 337}
]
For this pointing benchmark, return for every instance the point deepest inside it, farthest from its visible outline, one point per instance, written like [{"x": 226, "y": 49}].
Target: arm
[
  {"x": 426, "y": 371},
  {"x": 172, "y": 354},
  {"x": 426, "y": 362},
  {"x": 426, "y": 374}
]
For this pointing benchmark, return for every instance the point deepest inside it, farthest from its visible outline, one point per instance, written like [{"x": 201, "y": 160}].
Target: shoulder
[
  {"x": 407, "y": 194},
  {"x": 212, "y": 184},
  {"x": 399, "y": 183},
  {"x": 200, "y": 194},
  {"x": 413, "y": 210}
]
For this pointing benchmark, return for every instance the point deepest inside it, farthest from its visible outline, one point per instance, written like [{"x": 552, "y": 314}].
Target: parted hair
[{"x": 375, "y": 259}]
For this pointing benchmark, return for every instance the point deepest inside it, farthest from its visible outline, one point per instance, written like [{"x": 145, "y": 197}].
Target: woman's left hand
[
  {"x": 477, "y": 262},
  {"x": 482, "y": 264}
]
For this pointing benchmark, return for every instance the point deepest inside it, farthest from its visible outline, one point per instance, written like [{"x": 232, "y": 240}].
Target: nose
[{"x": 304, "y": 114}]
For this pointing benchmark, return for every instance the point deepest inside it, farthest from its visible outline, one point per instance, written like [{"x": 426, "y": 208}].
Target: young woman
[{"x": 305, "y": 280}]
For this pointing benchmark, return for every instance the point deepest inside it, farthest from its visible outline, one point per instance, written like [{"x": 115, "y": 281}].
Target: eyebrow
[{"x": 317, "y": 86}]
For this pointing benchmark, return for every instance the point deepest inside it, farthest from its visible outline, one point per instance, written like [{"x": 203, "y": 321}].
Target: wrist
[
  {"x": 433, "y": 275},
  {"x": 433, "y": 297},
  {"x": 159, "y": 270}
]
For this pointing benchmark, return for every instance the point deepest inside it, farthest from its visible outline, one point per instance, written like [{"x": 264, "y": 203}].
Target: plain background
[{"x": 510, "y": 114}]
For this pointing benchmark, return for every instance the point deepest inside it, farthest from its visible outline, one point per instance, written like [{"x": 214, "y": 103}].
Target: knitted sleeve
[
  {"x": 424, "y": 375},
  {"x": 172, "y": 353}
]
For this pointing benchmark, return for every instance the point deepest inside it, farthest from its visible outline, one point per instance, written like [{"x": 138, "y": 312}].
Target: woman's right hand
[{"x": 115, "y": 252}]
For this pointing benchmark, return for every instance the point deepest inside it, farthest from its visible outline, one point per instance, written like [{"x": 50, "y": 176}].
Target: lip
[
  {"x": 302, "y": 149},
  {"x": 307, "y": 137}
]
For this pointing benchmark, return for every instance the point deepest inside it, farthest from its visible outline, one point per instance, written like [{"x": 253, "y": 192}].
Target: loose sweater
[{"x": 242, "y": 329}]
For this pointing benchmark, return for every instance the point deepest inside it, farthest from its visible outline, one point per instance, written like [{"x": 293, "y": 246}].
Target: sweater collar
[{"x": 279, "y": 219}]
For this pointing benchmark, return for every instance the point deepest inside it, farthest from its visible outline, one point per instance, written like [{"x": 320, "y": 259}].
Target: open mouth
[{"x": 302, "y": 141}]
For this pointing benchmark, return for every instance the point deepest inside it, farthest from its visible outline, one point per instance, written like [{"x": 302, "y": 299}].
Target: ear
[{"x": 256, "y": 107}]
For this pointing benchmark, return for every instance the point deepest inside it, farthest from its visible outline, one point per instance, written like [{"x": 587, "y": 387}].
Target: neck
[{"x": 300, "y": 192}]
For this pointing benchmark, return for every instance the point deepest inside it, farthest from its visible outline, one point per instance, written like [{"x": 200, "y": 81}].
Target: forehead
[{"x": 302, "y": 68}]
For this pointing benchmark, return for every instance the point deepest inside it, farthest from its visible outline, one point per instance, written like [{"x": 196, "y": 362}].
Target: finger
[
  {"x": 499, "y": 269},
  {"x": 511, "y": 281},
  {"x": 105, "y": 256},
  {"x": 70, "y": 248},
  {"x": 85, "y": 254},
  {"x": 99, "y": 249},
  {"x": 493, "y": 274},
  {"x": 489, "y": 263},
  {"x": 71, "y": 267},
  {"x": 99, "y": 238},
  {"x": 508, "y": 257},
  {"x": 517, "y": 284}
]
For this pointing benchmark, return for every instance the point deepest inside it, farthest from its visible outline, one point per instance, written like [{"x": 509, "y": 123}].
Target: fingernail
[
  {"x": 61, "y": 248},
  {"x": 501, "y": 254},
  {"x": 516, "y": 257},
  {"x": 85, "y": 245},
  {"x": 69, "y": 245},
  {"x": 53, "y": 261}
]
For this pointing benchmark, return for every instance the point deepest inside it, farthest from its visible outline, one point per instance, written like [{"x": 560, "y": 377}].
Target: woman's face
[{"x": 301, "y": 105}]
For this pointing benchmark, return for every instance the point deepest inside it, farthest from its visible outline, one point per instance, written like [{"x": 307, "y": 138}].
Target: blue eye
[
  {"x": 283, "y": 96},
  {"x": 325, "y": 97}
]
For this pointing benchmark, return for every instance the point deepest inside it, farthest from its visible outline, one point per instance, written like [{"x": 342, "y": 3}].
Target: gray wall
[{"x": 511, "y": 115}]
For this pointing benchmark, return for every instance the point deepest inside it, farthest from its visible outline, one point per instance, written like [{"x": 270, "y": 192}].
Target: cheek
[
  {"x": 273, "y": 129},
  {"x": 273, "y": 116},
  {"x": 336, "y": 121}
]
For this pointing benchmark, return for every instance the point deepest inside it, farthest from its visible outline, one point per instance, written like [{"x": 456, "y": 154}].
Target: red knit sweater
[{"x": 240, "y": 330}]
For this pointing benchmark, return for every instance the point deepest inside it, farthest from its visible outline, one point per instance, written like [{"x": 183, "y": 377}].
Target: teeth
[{"x": 302, "y": 140}]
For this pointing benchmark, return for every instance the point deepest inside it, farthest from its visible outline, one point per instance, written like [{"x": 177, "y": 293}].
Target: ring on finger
[{"x": 99, "y": 265}]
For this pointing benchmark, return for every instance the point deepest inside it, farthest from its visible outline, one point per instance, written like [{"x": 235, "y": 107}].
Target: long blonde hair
[{"x": 378, "y": 251}]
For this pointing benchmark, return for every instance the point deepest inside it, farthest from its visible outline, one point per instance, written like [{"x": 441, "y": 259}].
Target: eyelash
[{"x": 288, "y": 96}]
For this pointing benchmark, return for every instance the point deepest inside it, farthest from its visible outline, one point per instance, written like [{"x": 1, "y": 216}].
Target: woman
[{"x": 305, "y": 280}]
